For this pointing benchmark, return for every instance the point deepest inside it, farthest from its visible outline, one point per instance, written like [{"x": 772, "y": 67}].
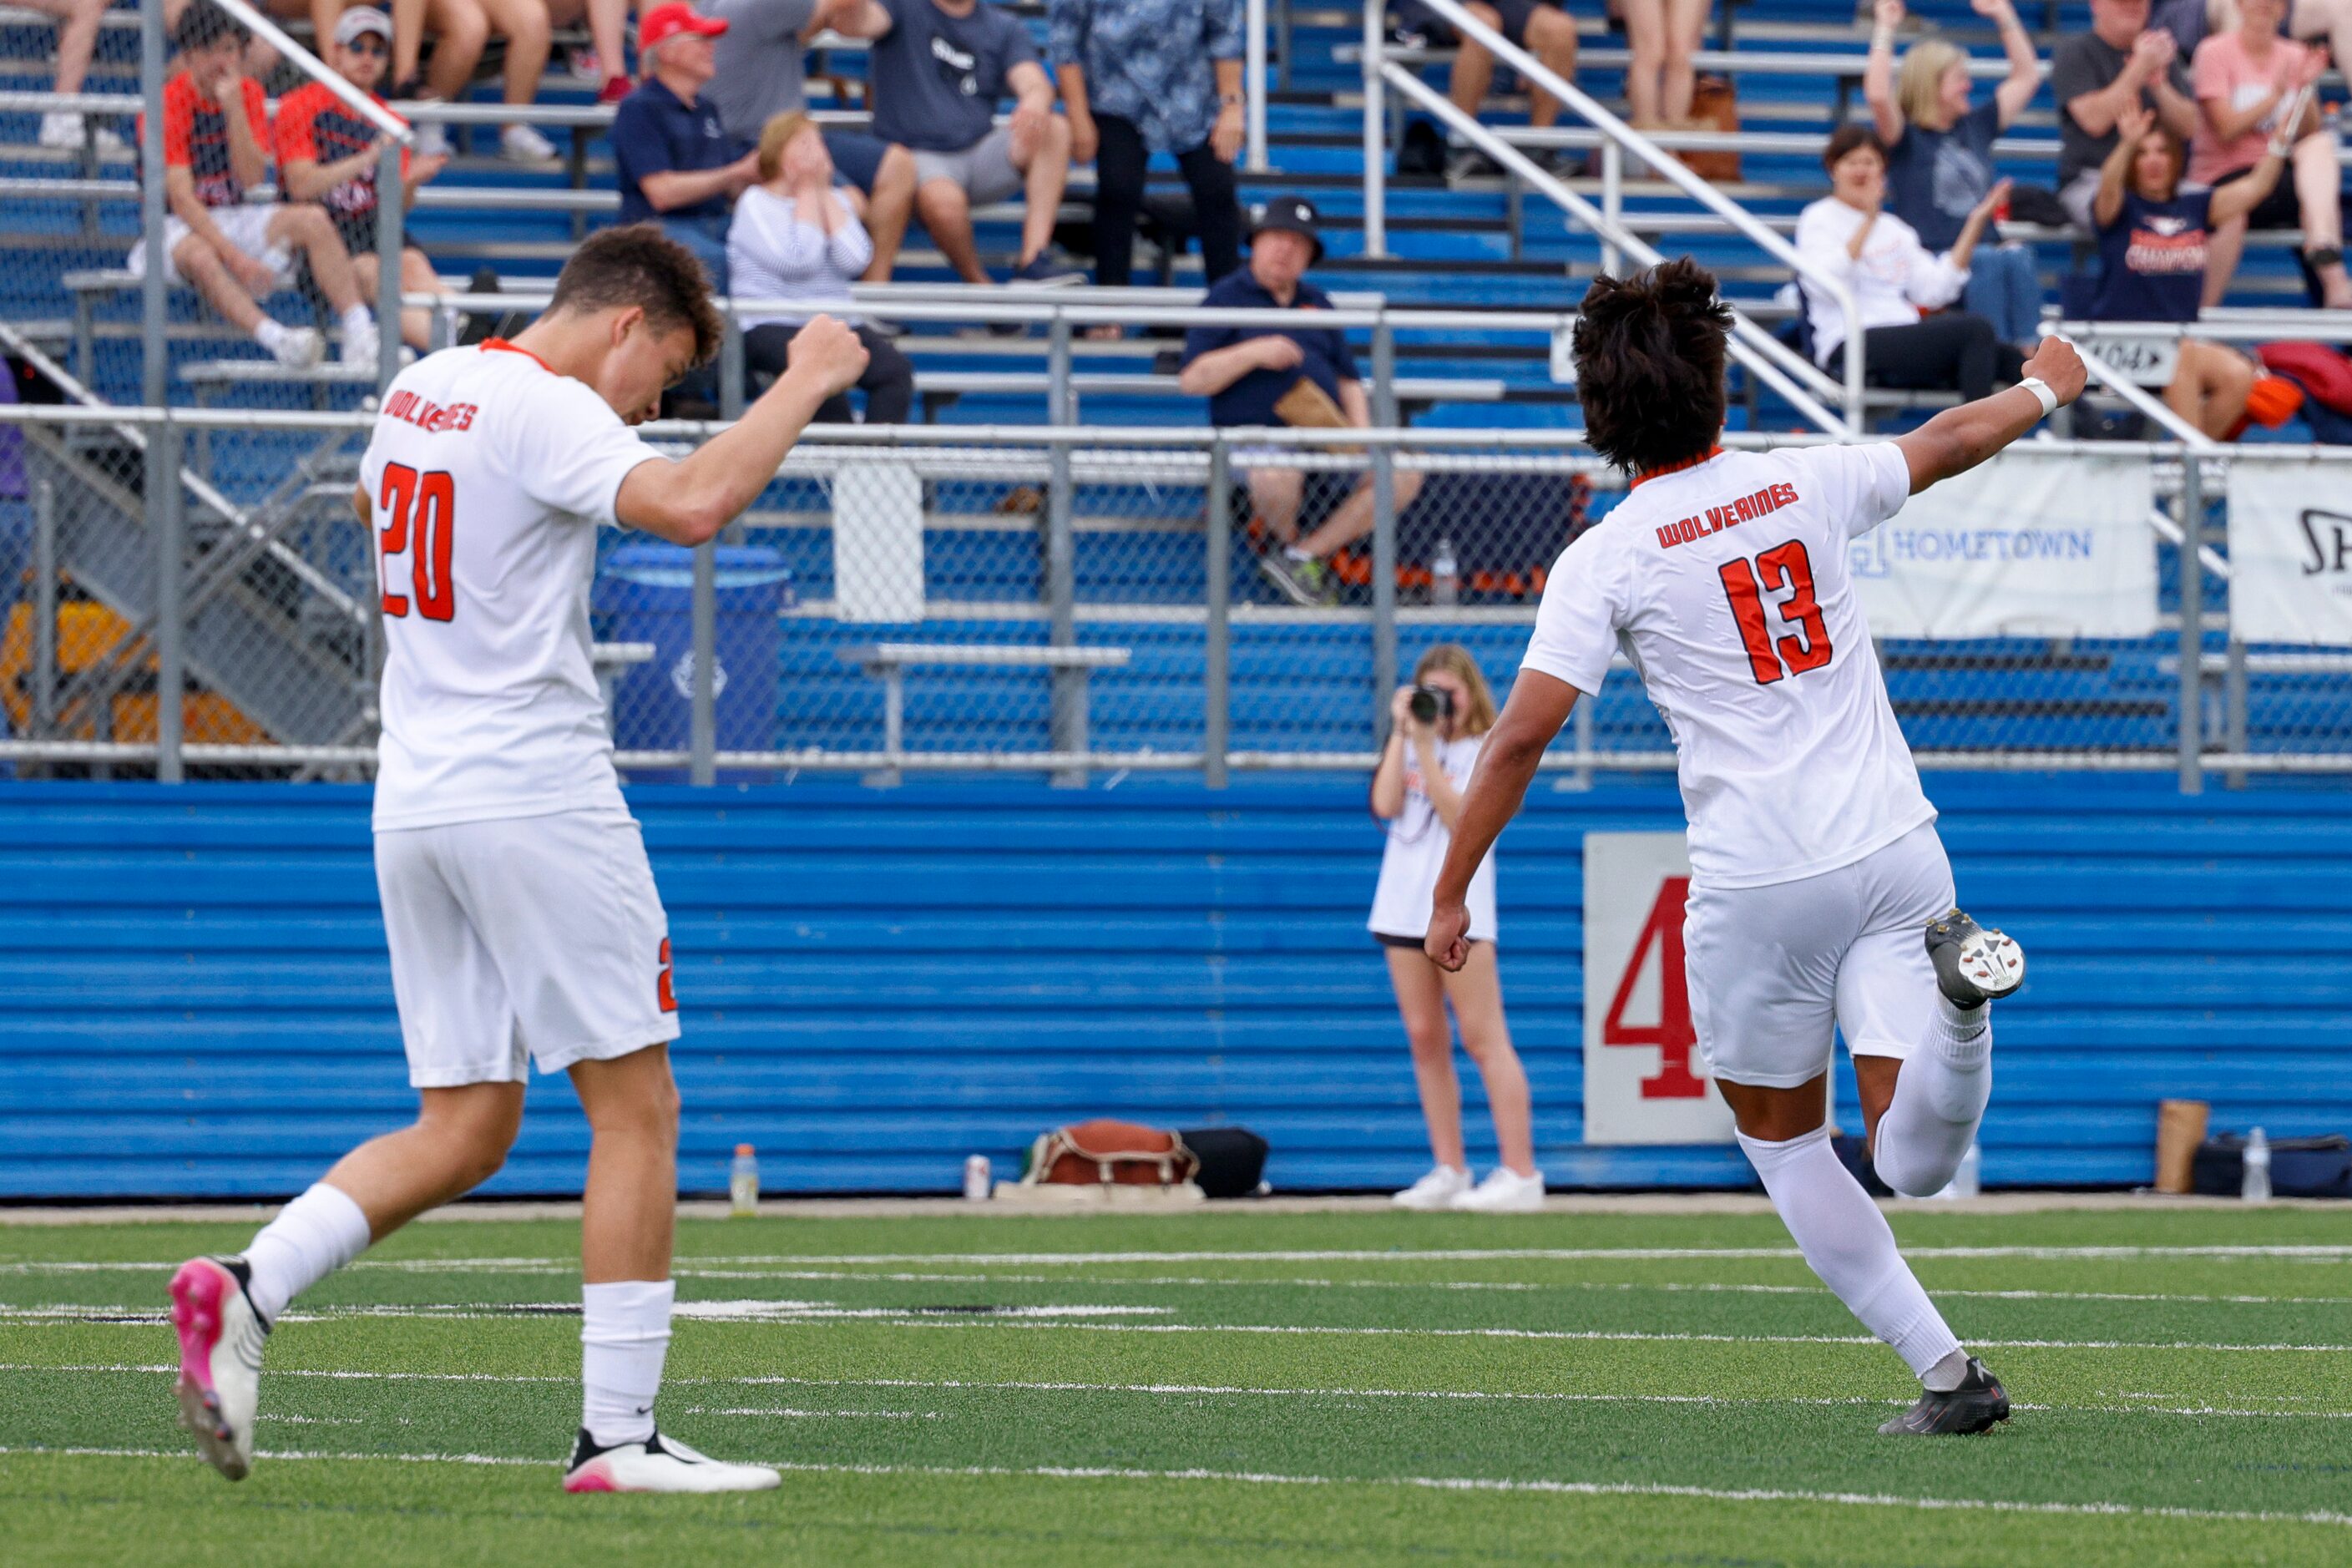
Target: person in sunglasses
[{"x": 327, "y": 154}]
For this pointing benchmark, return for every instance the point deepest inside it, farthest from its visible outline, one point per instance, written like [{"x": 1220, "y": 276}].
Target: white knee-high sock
[
  {"x": 1940, "y": 1102},
  {"x": 624, "y": 1336},
  {"x": 1846, "y": 1239},
  {"x": 311, "y": 1238}
]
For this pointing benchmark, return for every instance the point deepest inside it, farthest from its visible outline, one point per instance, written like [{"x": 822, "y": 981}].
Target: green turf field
[{"x": 1223, "y": 1387}]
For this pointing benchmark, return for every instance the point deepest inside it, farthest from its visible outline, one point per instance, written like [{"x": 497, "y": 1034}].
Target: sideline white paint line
[
  {"x": 1426, "y": 1483},
  {"x": 1190, "y": 1390}
]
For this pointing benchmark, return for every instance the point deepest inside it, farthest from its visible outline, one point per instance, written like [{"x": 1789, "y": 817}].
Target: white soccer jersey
[
  {"x": 488, "y": 473},
  {"x": 1727, "y": 585}
]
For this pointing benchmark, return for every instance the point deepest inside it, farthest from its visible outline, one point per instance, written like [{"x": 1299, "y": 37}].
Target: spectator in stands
[
  {"x": 797, "y": 239},
  {"x": 2153, "y": 239},
  {"x": 1544, "y": 30},
  {"x": 1661, "y": 35},
  {"x": 77, "y": 36},
  {"x": 2096, "y": 76},
  {"x": 937, "y": 69},
  {"x": 1417, "y": 790},
  {"x": 327, "y": 154},
  {"x": 2248, "y": 81},
  {"x": 215, "y": 136},
  {"x": 677, "y": 166},
  {"x": 1153, "y": 76},
  {"x": 1893, "y": 278},
  {"x": 762, "y": 72},
  {"x": 1939, "y": 154},
  {"x": 1301, "y": 375}
]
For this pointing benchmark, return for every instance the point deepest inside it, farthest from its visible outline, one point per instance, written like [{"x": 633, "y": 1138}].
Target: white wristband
[{"x": 2042, "y": 393}]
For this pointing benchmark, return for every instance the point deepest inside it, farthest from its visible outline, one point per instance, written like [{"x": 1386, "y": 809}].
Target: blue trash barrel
[{"x": 644, "y": 592}]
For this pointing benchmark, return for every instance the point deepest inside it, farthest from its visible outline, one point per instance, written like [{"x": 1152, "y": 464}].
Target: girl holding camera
[{"x": 1439, "y": 723}]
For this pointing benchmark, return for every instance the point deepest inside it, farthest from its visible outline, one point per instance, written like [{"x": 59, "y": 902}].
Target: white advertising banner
[
  {"x": 2291, "y": 552},
  {"x": 1642, "y": 1082},
  {"x": 2026, "y": 545}
]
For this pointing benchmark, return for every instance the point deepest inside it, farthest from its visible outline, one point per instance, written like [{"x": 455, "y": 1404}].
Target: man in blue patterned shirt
[{"x": 1140, "y": 77}]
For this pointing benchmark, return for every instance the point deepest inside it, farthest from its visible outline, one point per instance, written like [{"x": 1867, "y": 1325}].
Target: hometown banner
[
  {"x": 2026, "y": 545},
  {"x": 2291, "y": 552}
]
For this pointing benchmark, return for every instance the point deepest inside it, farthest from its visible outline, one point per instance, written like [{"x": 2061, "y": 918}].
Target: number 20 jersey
[
  {"x": 488, "y": 475},
  {"x": 1727, "y": 585}
]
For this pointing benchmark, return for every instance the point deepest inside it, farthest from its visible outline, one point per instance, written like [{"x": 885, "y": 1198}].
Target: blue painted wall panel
[{"x": 194, "y": 999}]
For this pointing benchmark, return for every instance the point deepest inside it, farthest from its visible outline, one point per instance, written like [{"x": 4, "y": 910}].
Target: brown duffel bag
[{"x": 1108, "y": 1152}]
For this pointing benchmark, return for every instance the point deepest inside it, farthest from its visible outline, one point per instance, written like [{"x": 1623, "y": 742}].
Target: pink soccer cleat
[{"x": 220, "y": 1360}]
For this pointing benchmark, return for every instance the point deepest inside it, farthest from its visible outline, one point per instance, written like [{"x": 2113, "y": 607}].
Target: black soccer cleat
[
  {"x": 1974, "y": 1406},
  {"x": 1973, "y": 965}
]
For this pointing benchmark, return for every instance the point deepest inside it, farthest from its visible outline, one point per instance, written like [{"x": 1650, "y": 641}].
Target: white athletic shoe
[
  {"x": 361, "y": 350},
  {"x": 658, "y": 1464},
  {"x": 301, "y": 348},
  {"x": 1503, "y": 1191},
  {"x": 1436, "y": 1190},
  {"x": 524, "y": 144},
  {"x": 66, "y": 132},
  {"x": 220, "y": 1360}
]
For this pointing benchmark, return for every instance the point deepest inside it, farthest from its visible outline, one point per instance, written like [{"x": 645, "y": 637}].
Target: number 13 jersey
[
  {"x": 488, "y": 475},
  {"x": 1727, "y": 585}
]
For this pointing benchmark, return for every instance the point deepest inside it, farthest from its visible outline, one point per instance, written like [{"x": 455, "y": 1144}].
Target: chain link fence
[{"x": 194, "y": 598}]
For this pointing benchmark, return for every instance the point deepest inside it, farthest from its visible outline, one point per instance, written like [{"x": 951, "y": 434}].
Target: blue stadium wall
[{"x": 877, "y": 982}]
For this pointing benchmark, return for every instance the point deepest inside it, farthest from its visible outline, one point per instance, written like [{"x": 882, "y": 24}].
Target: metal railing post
[
  {"x": 1061, "y": 408},
  {"x": 2233, "y": 699},
  {"x": 1612, "y": 200},
  {"x": 171, "y": 670},
  {"x": 1067, "y": 686},
  {"x": 2190, "y": 740},
  {"x": 704, "y": 736},
  {"x": 155, "y": 367},
  {"x": 1384, "y": 527},
  {"x": 44, "y": 714},
  {"x": 730, "y": 363},
  {"x": 1217, "y": 663},
  {"x": 390, "y": 230},
  {"x": 1376, "y": 215},
  {"x": 1254, "y": 84}
]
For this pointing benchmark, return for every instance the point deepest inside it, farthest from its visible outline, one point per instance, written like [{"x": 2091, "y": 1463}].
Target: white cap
[{"x": 362, "y": 19}]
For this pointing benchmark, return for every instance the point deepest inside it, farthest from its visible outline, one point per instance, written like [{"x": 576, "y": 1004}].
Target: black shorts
[
  {"x": 1517, "y": 14},
  {"x": 357, "y": 231},
  {"x": 1390, "y": 938},
  {"x": 857, "y": 155}
]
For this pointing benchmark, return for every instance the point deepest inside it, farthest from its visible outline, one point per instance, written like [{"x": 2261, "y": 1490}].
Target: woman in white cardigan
[
  {"x": 1847, "y": 234},
  {"x": 796, "y": 239}
]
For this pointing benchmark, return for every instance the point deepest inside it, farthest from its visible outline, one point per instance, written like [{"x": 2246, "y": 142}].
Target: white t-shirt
[
  {"x": 1418, "y": 837},
  {"x": 1727, "y": 585},
  {"x": 1893, "y": 280},
  {"x": 488, "y": 474}
]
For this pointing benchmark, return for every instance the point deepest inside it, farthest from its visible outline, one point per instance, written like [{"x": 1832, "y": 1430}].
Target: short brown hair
[
  {"x": 637, "y": 264},
  {"x": 1649, "y": 365},
  {"x": 1848, "y": 137},
  {"x": 776, "y": 135}
]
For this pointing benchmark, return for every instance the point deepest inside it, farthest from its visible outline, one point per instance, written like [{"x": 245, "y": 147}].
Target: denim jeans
[
  {"x": 2005, "y": 290},
  {"x": 707, "y": 238}
]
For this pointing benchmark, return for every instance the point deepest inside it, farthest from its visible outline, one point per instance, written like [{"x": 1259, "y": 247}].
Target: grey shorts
[
  {"x": 2077, "y": 196},
  {"x": 984, "y": 170}
]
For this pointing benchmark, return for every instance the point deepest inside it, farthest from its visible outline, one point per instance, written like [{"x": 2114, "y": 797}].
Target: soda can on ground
[{"x": 975, "y": 1178}]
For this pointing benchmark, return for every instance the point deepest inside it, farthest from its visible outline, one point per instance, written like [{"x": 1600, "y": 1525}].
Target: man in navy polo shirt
[
  {"x": 679, "y": 168},
  {"x": 1286, "y": 374}
]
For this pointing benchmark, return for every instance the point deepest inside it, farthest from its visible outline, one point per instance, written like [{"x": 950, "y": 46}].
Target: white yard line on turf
[
  {"x": 1191, "y": 1390},
  {"x": 1427, "y": 1483}
]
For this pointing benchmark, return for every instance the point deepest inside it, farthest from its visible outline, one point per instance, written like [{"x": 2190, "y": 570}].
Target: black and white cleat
[
  {"x": 1974, "y": 1406},
  {"x": 1973, "y": 965}
]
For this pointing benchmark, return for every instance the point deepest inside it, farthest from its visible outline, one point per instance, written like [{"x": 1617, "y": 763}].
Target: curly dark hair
[
  {"x": 637, "y": 264},
  {"x": 1649, "y": 365},
  {"x": 203, "y": 24}
]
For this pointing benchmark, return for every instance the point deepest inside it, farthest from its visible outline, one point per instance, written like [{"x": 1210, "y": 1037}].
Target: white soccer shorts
[
  {"x": 1772, "y": 969},
  {"x": 245, "y": 225},
  {"x": 536, "y": 936}
]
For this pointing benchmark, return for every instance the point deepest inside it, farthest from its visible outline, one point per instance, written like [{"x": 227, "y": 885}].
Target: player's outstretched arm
[
  {"x": 1958, "y": 440},
  {"x": 689, "y": 502},
  {"x": 1538, "y": 705}
]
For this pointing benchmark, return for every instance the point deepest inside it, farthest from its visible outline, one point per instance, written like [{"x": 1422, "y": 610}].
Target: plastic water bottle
[
  {"x": 743, "y": 1182},
  {"x": 975, "y": 1178},
  {"x": 1445, "y": 575},
  {"x": 2256, "y": 1186}
]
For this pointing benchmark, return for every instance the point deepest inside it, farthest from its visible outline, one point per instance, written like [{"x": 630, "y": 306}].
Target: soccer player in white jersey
[
  {"x": 1820, "y": 893},
  {"x": 519, "y": 905}
]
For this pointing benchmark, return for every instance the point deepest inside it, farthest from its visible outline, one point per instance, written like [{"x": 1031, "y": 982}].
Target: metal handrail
[
  {"x": 310, "y": 65},
  {"x": 1537, "y": 73}
]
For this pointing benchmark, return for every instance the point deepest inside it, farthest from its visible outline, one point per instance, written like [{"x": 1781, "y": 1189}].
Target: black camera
[{"x": 1431, "y": 703}]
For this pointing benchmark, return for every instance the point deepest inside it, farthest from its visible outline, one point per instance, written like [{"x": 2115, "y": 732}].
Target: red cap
[{"x": 668, "y": 21}]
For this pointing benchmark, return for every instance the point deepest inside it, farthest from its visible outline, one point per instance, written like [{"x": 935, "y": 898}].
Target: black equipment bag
[
  {"x": 2300, "y": 1167},
  {"x": 1232, "y": 1159}
]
